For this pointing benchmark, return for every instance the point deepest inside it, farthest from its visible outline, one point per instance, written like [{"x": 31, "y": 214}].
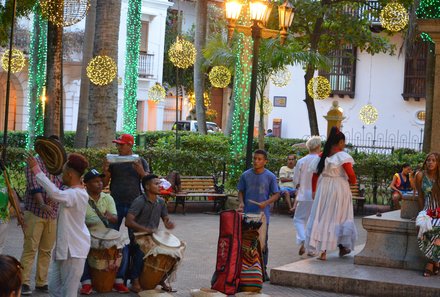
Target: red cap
[{"x": 125, "y": 139}]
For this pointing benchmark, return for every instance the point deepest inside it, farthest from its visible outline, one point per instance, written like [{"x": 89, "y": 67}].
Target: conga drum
[
  {"x": 162, "y": 253},
  {"x": 104, "y": 258}
]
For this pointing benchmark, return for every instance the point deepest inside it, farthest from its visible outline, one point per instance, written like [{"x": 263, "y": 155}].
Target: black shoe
[
  {"x": 26, "y": 290},
  {"x": 44, "y": 288}
]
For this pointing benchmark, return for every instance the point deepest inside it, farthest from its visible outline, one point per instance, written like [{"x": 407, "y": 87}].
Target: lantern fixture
[
  {"x": 233, "y": 9},
  {"x": 258, "y": 10},
  {"x": 285, "y": 14}
]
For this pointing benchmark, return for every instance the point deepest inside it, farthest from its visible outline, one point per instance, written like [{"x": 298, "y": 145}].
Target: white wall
[{"x": 387, "y": 76}]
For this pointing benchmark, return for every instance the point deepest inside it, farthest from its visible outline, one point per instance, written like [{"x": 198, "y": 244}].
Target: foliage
[{"x": 24, "y": 8}]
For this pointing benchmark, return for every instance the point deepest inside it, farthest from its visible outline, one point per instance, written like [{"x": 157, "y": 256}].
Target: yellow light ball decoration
[
  {"x": 319, "y": 88},
  {"x": 157, "y": 93},
  {"x": 394, "y": 17},
  {"x": 17, "y": 60},
  {"x": 368, "y": 114},
  {"x": 64, "y": 13},
  {"x": 281, "y": 78},
  {"x": 101, "y": 70},
  {"x": 182, "y": 53},
  {"x": 267, "y": 106},
  {"x": 192, "y": 99},
  {"x": 219, "y": 76}
]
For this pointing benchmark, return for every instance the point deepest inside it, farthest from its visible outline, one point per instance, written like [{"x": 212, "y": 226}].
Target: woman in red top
[{"x": 331, "y": 222}]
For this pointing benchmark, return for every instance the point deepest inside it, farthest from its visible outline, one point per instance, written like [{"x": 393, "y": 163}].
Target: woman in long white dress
[{"x": 331, "y": 221}]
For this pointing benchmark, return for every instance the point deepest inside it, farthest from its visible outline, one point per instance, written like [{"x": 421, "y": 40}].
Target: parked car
[{"x": 193, "y": 126}]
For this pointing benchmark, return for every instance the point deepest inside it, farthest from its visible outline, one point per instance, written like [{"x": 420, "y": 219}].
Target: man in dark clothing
[{"x": 144, "y": 216}]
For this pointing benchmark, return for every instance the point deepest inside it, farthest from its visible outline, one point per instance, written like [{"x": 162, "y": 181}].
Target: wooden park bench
[
  {"x": 358, "y": 197},
  {"x": 200, "y": 186}
]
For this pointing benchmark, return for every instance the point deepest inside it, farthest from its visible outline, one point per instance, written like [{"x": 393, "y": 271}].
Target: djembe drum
[
  {"x": 104, "y": 258},
  {"x": 163, "y": 251}
]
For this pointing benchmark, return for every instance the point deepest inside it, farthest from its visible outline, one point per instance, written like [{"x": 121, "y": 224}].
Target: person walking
[
  {"x": 331, "y": 222},
  {"x": 302, "y": 179}
]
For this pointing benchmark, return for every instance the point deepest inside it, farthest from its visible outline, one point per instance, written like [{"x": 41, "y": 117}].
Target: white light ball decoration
[
  {"x": 17, "y": 60},
  {"x": 220, "y": 77},
  {"x": 157, "y": 93},
  {"x": 281, "y": 78},
  {"x": 182, "y": 53},
  {"x": 394, "y": 17},
  {"x": 319, "y": 88},
  {"x": 101, "y": 70},
  {"x": 267, "y": 106},
  {"x": 368, "y": 114},
  {"x": 64, "y": 13}
]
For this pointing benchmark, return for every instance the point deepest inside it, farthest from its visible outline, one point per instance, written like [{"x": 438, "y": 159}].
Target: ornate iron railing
[{"x": 146, "y": 65}]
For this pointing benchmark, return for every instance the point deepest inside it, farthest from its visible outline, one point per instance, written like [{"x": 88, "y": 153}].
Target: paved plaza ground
[{"x": 200, "y": 232}]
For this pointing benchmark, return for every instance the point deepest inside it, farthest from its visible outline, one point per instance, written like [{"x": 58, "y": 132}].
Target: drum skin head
[
  {"x": 106, "y": 234},
  {"x": 154, "y": 293},
  {"x": 206, "y": 292},
  {"x": 167, "y": 239}
]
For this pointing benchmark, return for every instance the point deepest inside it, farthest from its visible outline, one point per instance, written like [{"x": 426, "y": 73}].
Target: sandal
[
  {"x": 322, "y": 256},
  {"x": 166, "y": 288},
  {"x": 429, "y": 269},
  {"x": 302, "y": 250},
  {"x": 343, "y": 251}
]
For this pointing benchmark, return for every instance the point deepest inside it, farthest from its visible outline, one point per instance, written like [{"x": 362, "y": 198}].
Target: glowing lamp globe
[
  {"x": 394, "y": 17},
  {"x": 64, "y": 13},
  {"x": 368, "y": 114}
]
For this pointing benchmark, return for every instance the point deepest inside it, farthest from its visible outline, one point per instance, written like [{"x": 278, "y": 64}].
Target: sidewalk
[{"x": 200, "y": 232}]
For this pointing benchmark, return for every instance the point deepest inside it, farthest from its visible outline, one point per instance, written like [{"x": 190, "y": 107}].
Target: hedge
[{"x": 208, "y": 154}]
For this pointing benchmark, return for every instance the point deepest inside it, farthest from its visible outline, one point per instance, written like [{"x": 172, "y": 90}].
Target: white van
[{"x": 193, "y": 126}]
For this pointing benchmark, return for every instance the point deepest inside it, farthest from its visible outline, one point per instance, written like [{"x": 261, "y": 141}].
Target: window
[
  {"x": 414, "y": 85},
  {"x": 144, "y": 37},
  {"x": 342, "y": 71}
]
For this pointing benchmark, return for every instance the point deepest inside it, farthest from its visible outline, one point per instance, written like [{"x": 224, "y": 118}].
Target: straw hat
[
  {"x": 205, "y": 292},
  {"x": 254, "y": 294},
  {"x": 154, "y": 293},
  {"x": 52, "y": 153}
]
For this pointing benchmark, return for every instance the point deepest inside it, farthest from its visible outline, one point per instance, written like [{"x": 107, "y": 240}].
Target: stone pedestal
[
  {"x": 410, "y": 207},
  {"x": 391, "y": 242}
]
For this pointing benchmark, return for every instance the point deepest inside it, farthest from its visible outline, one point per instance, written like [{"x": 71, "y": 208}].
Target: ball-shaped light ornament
[
  {"x": 64, "y": 13},
  {"x": 219, "y": 76},
  {"x": 17, "y": 60},
  {"x": 368, "y": 114},
  {"x": 182, "y": 53},
  {"x": 281, "y": 78},
  {"x": 394, "y": 17},
  {"x": 157, "y": 93},
  {"x": 267, "y": 106},
  {"x": 319, "y": 88},
  {"x": 101, "y": 70}
]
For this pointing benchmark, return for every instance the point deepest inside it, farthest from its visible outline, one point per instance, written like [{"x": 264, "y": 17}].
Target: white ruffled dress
[{"x": 331, "y": 220}]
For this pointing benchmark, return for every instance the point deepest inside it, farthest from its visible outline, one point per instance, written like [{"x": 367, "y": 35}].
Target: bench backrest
[
  {"x": 356, "y": 191},
  {"x": 198, "y": 184}
]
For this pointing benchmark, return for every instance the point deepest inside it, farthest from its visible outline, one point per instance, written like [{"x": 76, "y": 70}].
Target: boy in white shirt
[{"x": 73, "y": 237}]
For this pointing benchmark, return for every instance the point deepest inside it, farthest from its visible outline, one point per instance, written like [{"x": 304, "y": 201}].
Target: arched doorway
[{"x": 16, "y": 120}]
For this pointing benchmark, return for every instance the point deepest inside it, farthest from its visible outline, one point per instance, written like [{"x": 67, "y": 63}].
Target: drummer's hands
[
  {"x": 169, "y": 224},
  {"x": 32, "y": 163},
  {"x": 263, "y": 204}
]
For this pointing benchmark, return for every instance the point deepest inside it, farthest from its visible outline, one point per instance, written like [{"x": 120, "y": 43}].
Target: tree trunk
[
  {"x": 83, "y": 108},
  {"x": 430, "y": 71},
  {"x": 228, "y": 129},
  {"x": 261, "y": 125},
  {"x": 313, "y": 120},
  {"x": 54, "y": 90},
  {"x": 103, "y": 100},
  {"x": 199, "y": 81}
]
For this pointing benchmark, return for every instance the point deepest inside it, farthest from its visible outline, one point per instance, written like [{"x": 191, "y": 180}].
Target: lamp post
[{"x": 259, "y": 13}]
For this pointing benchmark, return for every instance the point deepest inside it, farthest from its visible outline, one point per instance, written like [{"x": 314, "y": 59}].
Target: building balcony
[{"x": 146, "y": 65}]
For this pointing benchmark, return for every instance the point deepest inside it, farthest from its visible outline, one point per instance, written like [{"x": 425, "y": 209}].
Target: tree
[
  {"x": 103, "y": 99},
  {"x": 24, "y": 8},
  {"x": 326, "y": 25},
  {"x": 83, "y": 108},
  {"x": 199, "y": 75}
]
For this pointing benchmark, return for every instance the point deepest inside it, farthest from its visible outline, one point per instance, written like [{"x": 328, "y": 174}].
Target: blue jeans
[
  {"x": 122, "y": 210},
  {"x": 138, "y": 262}
]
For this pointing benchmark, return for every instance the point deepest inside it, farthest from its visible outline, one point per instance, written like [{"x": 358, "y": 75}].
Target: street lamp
[{"x": 259, "y": 14}]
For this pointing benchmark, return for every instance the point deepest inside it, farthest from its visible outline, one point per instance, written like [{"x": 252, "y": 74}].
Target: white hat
[
  {"x": 254, "y": 294},
  {"x": 154, "y": 293},
  {"x": 205, "y": 292}
]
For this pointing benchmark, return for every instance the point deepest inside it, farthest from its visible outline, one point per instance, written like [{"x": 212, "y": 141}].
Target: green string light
[
  {"x": 428, "y": 9},
  {"x": 131, "y": 65},
  {"x": 37, "y": 76},
  {"x": 241, "y": 97}
]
